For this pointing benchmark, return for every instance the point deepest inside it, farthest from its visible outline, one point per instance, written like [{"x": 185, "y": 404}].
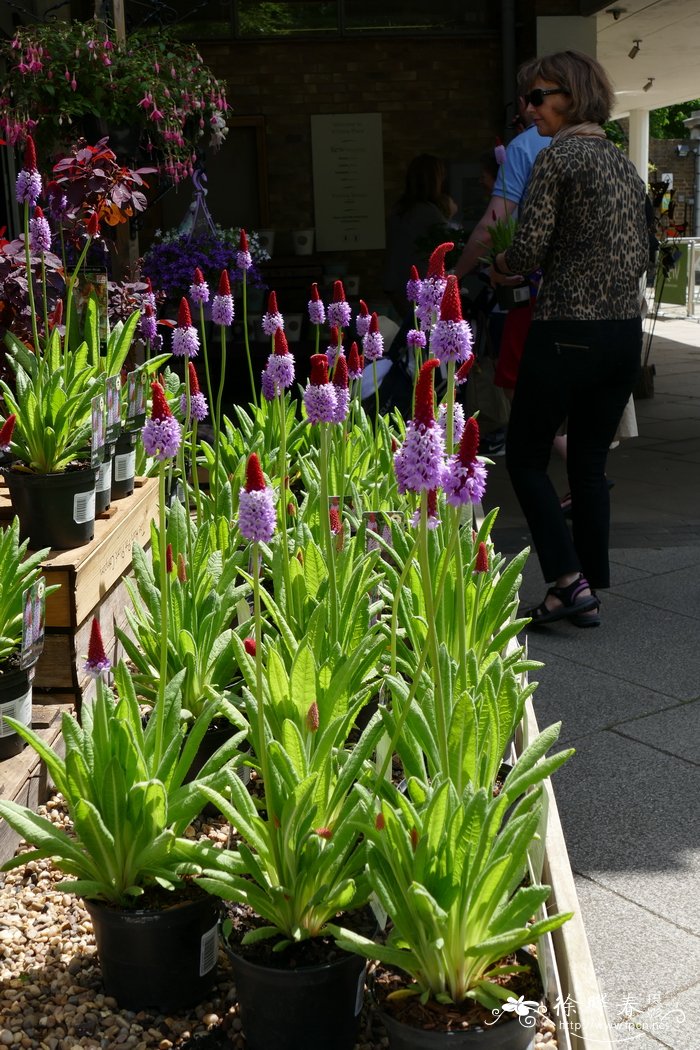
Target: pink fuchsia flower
[
  {"x": 272, "y": 320},
  {"x": 362, "y": 321},
  {"x": 342, "y": 393},
  {"x": 6, "y": 433},
  {"x": 433, "y": 518},
  {"x": 433, "y": 287},
  {"x": 199, "y": 289},
  {"x": 198, "y": 402},
  {"x": 39, "y": 232},
  {"x": 499, "y": 152},
  {"x": 185, "y": 338},
  {"x": 451, "y": 338},
  {"x": 244, "y": 259},
  {"x": 335, "y": 344},
  {"x": 222, "y": 306},
  {"x": 97, "y": 662},
  {"x": 413, "y": 286},
  {"x": 419, "y": 461},
  {"x": 465, "y": 475},
  {"x": 320, "y": 398},
  {"x": 354, "y": 363},
  {"x": 279, "y": 371},
  {"x": 147, "y": 324},
  {"x": 339, "y": 312},
  {"x": 458, "y": 422},
  {"x": 28, "y": 185},
  {"x": 256, "y": 511},
  {"x": 161, "y": 433},
  {"x": 462, "y": 373},
  {"x": 373, "y": 342},
  {"x": 317, "y": 311}
]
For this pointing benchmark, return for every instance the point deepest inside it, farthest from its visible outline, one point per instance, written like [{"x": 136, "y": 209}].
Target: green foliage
[{"x": 18, "y": 571}]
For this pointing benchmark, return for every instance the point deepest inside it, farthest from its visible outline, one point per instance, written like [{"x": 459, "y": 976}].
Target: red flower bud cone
[
  {"x": 464, "y": 369},
  {"x": 436, "y": 266},
  {"x": 363, "y": 308},
  {"x": 169, "y": 558},
  {"x": 96, "y": 649},
  {"x": 469, "y": 445},
  {"x": 425, "y": 410},
  {"x": 250, "y": 646},
  {"x": 451, "y": 305},
  {"x": 38, "y": 212},
  {"x": 194, "y": 381},
  {"x": 160, "y": 408},
  {"x": 414, "y": 276},
  {"x": 224, "y": 283},
  {"x": 243, "y": 241},
  {"x": 334, "y": 520},
  {"x": 482, "y": 559},
  {"x": 93, "y": 225},
  {"x": 7, "y": 431},
  {"x": 374, "y": 323},
  {"x": 272, "y": 303},
  {"x": 30, "y": 154},
  {"x": 340, "y": 373},
  {"x": 319, "y": 369},
  {"x": 312, "y": 719},
  {"x": 254, "y": 478},
  {"x": 281, "y": 344},
  {"x": 184, "y": 317},
  {"x": 338, "y": 292},
  {"x": 198, "y": 276},
  {"x": 354, "y": 358},
  {"x": 314, "y": 293}
]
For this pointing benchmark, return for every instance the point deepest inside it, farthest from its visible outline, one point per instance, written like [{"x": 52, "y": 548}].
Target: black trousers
[{"x": 584, "y": 372}]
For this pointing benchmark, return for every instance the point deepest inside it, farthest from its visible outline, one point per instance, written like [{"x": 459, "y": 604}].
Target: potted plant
[
  {"x": 154, "y": 86},
  {"x": 18, "y": 572},
  {"x": 127, "y": 856}
]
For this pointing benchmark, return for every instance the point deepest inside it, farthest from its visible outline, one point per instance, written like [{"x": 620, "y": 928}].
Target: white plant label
[
  {"x": 83, "y": 507},
  {"x": 104, "y": 480},
  {"x": 125, "y": 466},
  {"x": 208, "y": 950},
  {"x": 20, "y": 708}
]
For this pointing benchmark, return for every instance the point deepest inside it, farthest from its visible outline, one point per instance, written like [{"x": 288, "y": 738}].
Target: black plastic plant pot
[
  {"x": 314, "y": 1007},
  {"x": 54, "y": 510},
  {"x": 162, "y": 959},
  {"x": 15, "y": 701},
  {"x": 503, "y": 1035},
  {"x": 124, "y": 467},
  {"x": 103, "y": 486}
]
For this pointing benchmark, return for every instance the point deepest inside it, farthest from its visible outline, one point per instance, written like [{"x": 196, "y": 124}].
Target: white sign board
[{"x": 348, "y": 181}]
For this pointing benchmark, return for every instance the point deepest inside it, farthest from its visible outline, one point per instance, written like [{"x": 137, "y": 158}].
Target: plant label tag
[
  {"x": 135, "y": 399},
  {"x": 97, "y": 441},
  {"x": 125, "y": 466},
  {"x": 20, "y": 709},
  {"x": 113, "y": 393},
  {"x": 104, "y": 478},
  {"x": 360, "y": 995},
  {"x": 33, "y": 611},
  {"x": 208, "y": 950},
  {"x": 83, "y": 507}
]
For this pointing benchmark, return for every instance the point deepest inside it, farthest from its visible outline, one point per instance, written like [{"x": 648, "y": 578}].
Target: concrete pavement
[{"x": 628, "y": 695}]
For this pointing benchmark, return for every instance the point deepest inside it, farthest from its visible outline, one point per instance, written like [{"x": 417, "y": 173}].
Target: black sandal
[
  {"x": 572, "y": 604},
  {"x": 591, "y": 617}
]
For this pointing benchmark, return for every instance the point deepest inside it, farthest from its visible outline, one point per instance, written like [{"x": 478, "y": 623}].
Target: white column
[{"x": 639, "y": 142}]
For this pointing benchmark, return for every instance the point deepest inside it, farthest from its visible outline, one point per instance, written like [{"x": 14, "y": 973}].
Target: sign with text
[{"x": 348, "y": 181}]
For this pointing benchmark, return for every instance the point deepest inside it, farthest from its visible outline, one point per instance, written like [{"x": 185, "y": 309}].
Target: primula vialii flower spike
[
  {"x": 436, "y": 265},
  {"x": 198, "y": 402},
  {"x": 462, "y": 373},
  {"x": 379, "y": 822},
  {"x": 160, "y": 408},
  {"x": 93, "y": 225},
  {"x": 222, "y": 306},
  {"x": 57, "y": 315},
  {"x": 317, "y": 311},
  {"x": 464, "y": 479},
  {"x": 312, "y": 719},
  {"x": 243, "y": 242},
  {"x": 373, "y": 341},
  {"x": 354, "y": 365},
  {"x": 320, "y": 397},
  {"x": 199, "y": 289},
  {"x": 250, "y": 646},
  {"x": 364, "y": 309},
  {"x": 224, "y": 283},
  {"x": 340, "y": 374},
  {"x": 254, "y": 477},
  {"x": 194, "y": 381},
  {"x": 451, "y": 338},
  {"x": 161, "y": 433},
  {"x": 338, "y": 292},
  {"x": 6, "y": 433},
  {"x": 324, "y": 833},
  {"x": 181, "y": 568},
  {"x": 339, "y": 312},
  {"x": 425, "y": 409},
  {"x": 451, "y": 305},
  {"x": 40, "y": 232},
  {"x": 319, "y": 370},
  {"x": 30, "y": 154},
  {"x": 272, "y": 303},
  {"x": 334, "y": 520},
  {"x": 97, "y": 662},
  {"x": 315, "y": 297},
  {"x": 184, "y": 317},
  {"x": 469, "y": 445},
  {"x": 482, "y": 559},
  {"x": 169, "y": 559}
]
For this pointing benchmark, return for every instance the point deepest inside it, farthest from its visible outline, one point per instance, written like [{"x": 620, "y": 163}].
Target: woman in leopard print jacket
[{"x": 583, "y": 224}]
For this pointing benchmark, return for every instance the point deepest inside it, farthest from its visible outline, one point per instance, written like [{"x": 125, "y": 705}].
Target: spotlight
[
  {"x": 649, "y": 84},
  {"x": 634, "y": 51},
  {"x": 615, "y": 11}
]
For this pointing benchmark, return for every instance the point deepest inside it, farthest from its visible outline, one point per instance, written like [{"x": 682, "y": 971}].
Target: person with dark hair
[
  {"x": 583, "y": 224},
  {"x": 420, "y": 218}
]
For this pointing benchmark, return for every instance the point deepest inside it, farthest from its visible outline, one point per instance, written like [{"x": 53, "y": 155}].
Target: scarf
[{"x": 587, "y": 128}]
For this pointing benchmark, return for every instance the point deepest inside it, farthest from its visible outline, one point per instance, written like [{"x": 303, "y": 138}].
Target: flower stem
[
  {"x": 216, "y": 419},
  {"x": 164, "y": 585},
  {"x": 247, "y": 341},
  {"x": 30, "y": 280},
  {"x": 260, "y": 743},
  {"x": 424, "y": 559},
  {"x": 326, "y": 532},
  {"x": 282, "y": 470}
]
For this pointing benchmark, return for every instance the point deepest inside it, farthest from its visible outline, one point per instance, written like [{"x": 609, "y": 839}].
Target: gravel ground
[{"x": 51, "y": 994}]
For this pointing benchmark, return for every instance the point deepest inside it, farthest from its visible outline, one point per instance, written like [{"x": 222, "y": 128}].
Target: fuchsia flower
[
  {"x": 199, "y": 289},
  {"x": 339, "y": 312},
  {"x": 28, "y": 185},
  {"x": 451, "y": 338},
  {"x": 161, "y": 433},
  {"x": 320, "y": 396},
  {"x": 244, "y": 259},
  {"x": 272, "y": 320},
  {"x": 6, "y": 433},
  {"x": 222, "y": 306},
  {"x": 198, "y": 402},
  {"x": 335, "y": 343},
  {"x": 256, "y": 511},
  {"x": 465, "y": 475},
  {"x": 185, "y": 338},
  {"x": 373, "y": 342},
  {"x": 147, "y": 324},
  {"x": 279, "y": 371},
  {"x": 342, "y": 393},
  {"x": 413, "y": 286},
  {"x": 39, "y": 232},
  {"x": 433, "y": 287},
  {"x": 97, "y": 662},
  {"x": 419, "y": 461},
  {"x": 354, "y": 363},
  {"x": 363, "y": 319},
  {"x": 317, "y": 311}
]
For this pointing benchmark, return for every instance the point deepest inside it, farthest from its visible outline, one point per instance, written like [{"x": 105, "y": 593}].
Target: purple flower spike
[
  {"x": 363, "y": 320},
  {"x": 451, "y": 339},
  {"x": 185, "y": 338},
  {"x": 279, "y": 371},
  {"x": 415, "y": 339},
  {"x": 413, "y": 286},
  {"x": 319, "y": 397},
  {"x": 342, "y": 392},
  {"x": 147, "y": 324},
  {"x": 419, "y": 461},
  {"x": 222, "y": 306},
  {"x": 339, "y": 312},
  {"x": 199, "y": 409},
  {"x": 161, "y": 433},
  {"x": 256, "y": 511},
  {"x": 244, "y": 259},
  {"x": 199, "y": 289},
  {"x": 267, "y": 385},
  {"x": 272, "y": 319},
  {"x": 317, "y": 311},
  {"x": 39, "y": 232},
  {"x": 28, "y": 185},
  {"x": 373, "y": 342},
  {"x": 465, "y": 475},
  {"x": 457, "y": 423},
  {"x": 97, "y": 662}
]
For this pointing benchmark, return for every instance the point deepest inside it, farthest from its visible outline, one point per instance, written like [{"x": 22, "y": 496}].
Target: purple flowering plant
[{"x": 171, "y": 260}]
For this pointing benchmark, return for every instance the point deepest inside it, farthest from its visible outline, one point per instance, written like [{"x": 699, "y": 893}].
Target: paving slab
[
  {"x": 637, "y": 957},
  {"x": 657, "y": 559},
  {"x": 674, "y": 1021},
  {"x": 677, "y": 591},
  {"x": 675, "y": 729},
  {"x": 630, "y": 817}
]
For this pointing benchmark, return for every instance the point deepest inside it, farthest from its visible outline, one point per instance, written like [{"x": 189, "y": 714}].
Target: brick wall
[{"x": 662, "y": 154}]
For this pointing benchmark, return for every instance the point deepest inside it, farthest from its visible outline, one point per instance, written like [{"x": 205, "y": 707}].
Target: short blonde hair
[{"x": 590, "y": 93}]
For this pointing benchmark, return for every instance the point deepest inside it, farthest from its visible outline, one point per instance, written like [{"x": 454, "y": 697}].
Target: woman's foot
[
  {"x": 565, "y": 501},
  {"x": 566, "y": 601}
]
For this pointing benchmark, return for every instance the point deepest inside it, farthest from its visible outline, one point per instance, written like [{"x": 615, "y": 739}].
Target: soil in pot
[
  {"x": 162, "y": 954},
  {"x": 413, "y": 1025},
  {"x": 15, "y": 701},
  {"x": 54, "y": 510},
  {"x": 310, "y": 995}
]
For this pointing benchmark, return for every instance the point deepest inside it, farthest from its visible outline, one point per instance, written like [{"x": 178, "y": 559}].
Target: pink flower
[
  {"x": 97, "y": 662},
  {"x": 419, "y": 461}
]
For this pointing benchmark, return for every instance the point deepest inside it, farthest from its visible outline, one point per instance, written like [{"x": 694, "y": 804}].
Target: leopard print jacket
[{"x": 583, "y": 223}]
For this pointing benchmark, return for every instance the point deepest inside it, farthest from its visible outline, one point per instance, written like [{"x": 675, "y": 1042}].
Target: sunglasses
[{"x": 537, "y": 96}]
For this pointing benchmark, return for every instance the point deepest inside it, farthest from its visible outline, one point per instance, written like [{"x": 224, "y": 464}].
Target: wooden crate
[{"x": 91, "y": 582}]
